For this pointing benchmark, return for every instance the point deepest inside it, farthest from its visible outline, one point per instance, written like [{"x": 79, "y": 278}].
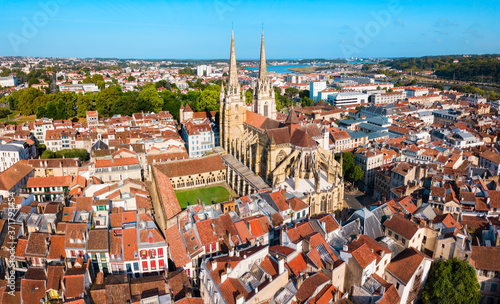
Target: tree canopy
[
  {"x": 104, "y": 100},
  {"x": 209, "y": 99},
  {"x": 25, "y": 100},
  {"x": 84, "y": 104},
  {"x": 452, "y": 281},
  {"x": 350, "y": 170},
  {"x": 484, "y": 68},
  {"x": 82, "y": 154}
]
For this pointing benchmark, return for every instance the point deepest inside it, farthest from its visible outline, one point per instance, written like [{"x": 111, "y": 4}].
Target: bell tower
[
  {"x": 264, "y": 102},
  {"x": 232, "y": 107}
]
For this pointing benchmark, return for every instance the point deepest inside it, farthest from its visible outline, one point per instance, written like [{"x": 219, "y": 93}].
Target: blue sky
[{"x": 294, "y": 29}]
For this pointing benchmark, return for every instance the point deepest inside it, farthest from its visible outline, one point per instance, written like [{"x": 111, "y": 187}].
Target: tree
[
  {"x": 66, "y": 104},
  {"x": 4, "y": 112},
  {"x": 82, "y": 154},
  {"x": 209, "y": 99},
  {"x": 350, "y": 170},
  {"x": 50, "y": 110},
  {"x": 356, "y": 173},
  {"x": 149, "y": 100},
  {"x": 171, "y": 103},
  {"x": 347, "y": 162},
  {"x": 10, "y": 100},
  {"x": 130, "y": 78},
  {"x": 41, "y": 148},
  {"x": 33, "y": 81},
  {"x": 5, "y": 72},
  {"x": 307, "y": 102},
  {"x": 291, "y": 92},
  {"x": 277, "y": 97},
  {"x": 48, "y": 154},
  {"x": 452, "y": 281},
  {"x": 96, "y": 78},
  {"x": 367, "y": 67},
  {"x": 249, "y": 96},
  {"x": 187, "y": 71},
  {"x": 104, "y": 100},
  {"x": 61, "y": 111},
  {"x": 304, "y": 93},
  {"x": 25, "y": 100},
  {"x": 438, "y": 86},
  {"x": 126, "y": 104},
  {"x": 84, "y": 104},
  {"x": 40, "y": 113},
  {"x": 161, "y": 83}
]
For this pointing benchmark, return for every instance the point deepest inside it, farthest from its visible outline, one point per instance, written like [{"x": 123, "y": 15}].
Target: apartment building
[
  {"x": 369, "y": 161},
  {"x": 12, "y": 152},
  {"x": 198, "y": 136}
]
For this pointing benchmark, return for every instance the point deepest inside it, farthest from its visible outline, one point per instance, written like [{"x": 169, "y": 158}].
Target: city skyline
[{"x": 201, "y": 29}]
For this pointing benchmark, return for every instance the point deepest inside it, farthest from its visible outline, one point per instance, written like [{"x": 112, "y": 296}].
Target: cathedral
[{"x": 287, "y": 155}]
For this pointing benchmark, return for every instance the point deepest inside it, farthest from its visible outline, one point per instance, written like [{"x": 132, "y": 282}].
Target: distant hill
[{"x": 480, "y": 68}]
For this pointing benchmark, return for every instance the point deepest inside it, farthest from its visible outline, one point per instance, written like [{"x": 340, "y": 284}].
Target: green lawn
[{"x": 210, "y": 195}]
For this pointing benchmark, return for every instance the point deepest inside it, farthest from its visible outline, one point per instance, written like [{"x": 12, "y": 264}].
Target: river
[{"x": 281, "y": 68}]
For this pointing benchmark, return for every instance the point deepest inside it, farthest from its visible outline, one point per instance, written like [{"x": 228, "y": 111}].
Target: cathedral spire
[
  {"x": 264, "y": 102},
  {"x": 262, "y": 64},
  {"x": 232, "y": 83}
]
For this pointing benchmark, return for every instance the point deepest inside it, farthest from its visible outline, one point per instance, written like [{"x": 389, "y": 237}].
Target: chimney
[
  {"x": 281, "y": 266},
  {"x": 237, "y": 252},
  {"x": 300, "y": 280},
  {"x": 240, "y": 299},
  {"x": 223, "y": 277},
  {"x": 214, "y": 265},
  {"x": 228, "y": 268},
  {"x": 256, "y": 289}
]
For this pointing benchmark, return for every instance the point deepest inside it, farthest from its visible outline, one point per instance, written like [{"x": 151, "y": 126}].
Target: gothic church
[{"x": 286, "y": 155}]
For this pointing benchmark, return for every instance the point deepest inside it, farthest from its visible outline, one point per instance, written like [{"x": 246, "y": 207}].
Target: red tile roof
[
  {"x": 74, "y": 286},
  {"x": 310, "y": 285},
  {"x": 361, "y": 253},
  {"x": 56, "y": 248},
  {"x": 279, "y": 200},
  {"x": 130, "y": 244},
  {"x": 486, "y": 258},
  {"x": 49, "y": 181},
  {"x": 167, "y": 194},
  {"x": 14, "y": 174},
  {"x": 405, "y": 264},
  {"x": 177, "y": 247},
  {"x": 191, "y": 166},
  {"x": 402, "y": 226},
  {"x": 447, "y": 220},
  {"x": 207, "y": 232},
  {"x": 115, "y": 162}
]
